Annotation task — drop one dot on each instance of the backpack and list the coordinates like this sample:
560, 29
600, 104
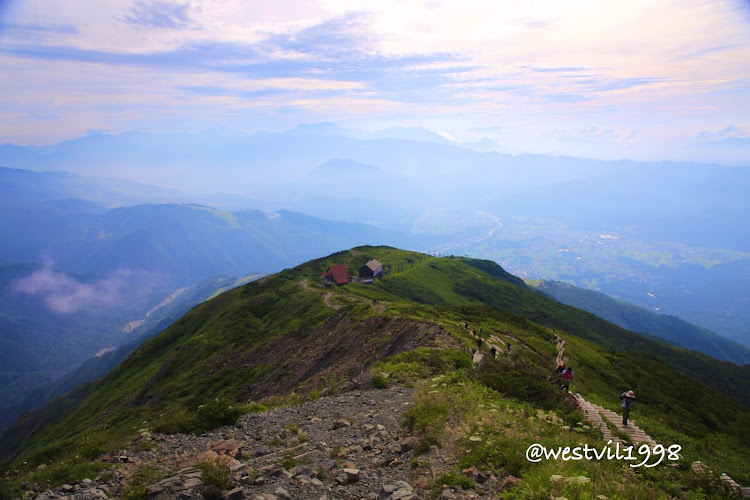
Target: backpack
568, 375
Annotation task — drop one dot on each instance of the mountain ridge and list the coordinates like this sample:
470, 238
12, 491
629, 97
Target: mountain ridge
637, 319
248, 346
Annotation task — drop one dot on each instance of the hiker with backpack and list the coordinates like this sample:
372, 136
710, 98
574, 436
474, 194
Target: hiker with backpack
567, 378
627, 399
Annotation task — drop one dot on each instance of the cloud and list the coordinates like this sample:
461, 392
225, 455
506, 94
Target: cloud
179, 65
731, 131
562, 69
158, 14
64, 294
24, 29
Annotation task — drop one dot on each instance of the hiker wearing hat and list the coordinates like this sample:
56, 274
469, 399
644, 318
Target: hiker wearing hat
627, 403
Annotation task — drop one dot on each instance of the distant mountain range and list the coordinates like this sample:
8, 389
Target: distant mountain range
637, 319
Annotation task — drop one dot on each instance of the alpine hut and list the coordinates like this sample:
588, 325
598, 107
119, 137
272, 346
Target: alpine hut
370, 271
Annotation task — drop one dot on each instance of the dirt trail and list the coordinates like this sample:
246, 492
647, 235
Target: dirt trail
326, 295
560, 344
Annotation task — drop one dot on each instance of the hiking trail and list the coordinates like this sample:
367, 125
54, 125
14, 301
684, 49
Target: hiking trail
327, 298
602, 418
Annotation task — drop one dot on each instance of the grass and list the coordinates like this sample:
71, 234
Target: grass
192, 377
144, 476
491, 432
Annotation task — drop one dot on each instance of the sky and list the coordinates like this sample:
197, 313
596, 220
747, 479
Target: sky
643, 79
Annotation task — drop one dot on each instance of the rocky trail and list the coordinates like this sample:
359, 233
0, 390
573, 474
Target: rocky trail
349, 446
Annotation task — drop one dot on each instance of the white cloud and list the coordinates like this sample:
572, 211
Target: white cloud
667, 68
64, 294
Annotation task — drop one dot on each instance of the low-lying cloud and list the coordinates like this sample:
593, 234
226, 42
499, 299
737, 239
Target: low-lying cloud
64, 294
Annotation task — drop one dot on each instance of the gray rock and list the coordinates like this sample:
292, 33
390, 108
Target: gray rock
387, 490
282, 493
482, 477
447, 495
236, 494
303, 470
342, 478
211, 492
403, 485
408, 444
341, 423
154, 489
352, 475
191, 483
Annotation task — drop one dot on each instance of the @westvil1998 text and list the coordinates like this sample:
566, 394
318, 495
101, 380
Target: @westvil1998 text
537, 452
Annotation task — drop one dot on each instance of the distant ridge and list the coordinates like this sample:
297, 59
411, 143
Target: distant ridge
638, 319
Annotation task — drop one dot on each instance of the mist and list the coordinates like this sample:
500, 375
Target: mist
64, 294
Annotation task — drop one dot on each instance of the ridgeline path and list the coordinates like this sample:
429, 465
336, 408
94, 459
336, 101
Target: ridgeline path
327, 296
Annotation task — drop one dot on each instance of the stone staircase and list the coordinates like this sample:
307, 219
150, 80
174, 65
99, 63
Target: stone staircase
637, 436
745, 492
592, 414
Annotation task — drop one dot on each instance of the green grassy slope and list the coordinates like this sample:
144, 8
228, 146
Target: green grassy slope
638, 319
252, 342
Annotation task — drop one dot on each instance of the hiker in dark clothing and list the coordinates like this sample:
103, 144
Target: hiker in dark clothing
479, 344
480, 329
509, 347
627, 399
567, 379
466, 325
560, 368
474, 332
493, 351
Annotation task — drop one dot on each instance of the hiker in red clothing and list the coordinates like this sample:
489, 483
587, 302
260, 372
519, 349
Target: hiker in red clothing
567, 378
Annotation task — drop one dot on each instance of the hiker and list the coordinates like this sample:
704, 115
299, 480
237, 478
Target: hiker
493, 351
567, 378
627, 403
479, 343
480, 329
466, 325
509, 347
560, 368
474, 332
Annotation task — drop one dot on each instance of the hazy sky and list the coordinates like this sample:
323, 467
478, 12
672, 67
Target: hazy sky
657, 79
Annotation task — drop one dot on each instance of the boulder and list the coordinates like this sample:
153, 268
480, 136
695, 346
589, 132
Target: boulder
407, 444
340, 423
236, 494
509, 482
212, 492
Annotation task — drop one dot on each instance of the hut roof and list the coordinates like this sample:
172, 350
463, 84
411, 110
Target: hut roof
339, 273
374, 265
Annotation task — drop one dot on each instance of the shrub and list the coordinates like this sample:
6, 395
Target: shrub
214, 471
208, 416
379, 381
143, 476
452, 479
